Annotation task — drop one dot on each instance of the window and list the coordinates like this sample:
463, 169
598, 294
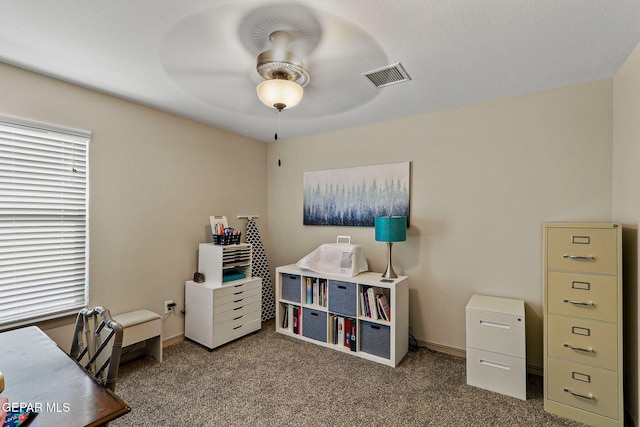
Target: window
43, 221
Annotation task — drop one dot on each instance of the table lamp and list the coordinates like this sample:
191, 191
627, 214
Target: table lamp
391, 229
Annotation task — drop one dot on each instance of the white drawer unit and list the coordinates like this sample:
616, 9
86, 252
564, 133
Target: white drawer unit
216, 313
583, 378
496, 345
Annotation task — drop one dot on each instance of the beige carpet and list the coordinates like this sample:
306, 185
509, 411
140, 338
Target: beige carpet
267, 379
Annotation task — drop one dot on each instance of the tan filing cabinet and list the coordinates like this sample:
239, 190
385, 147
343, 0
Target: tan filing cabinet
583, 322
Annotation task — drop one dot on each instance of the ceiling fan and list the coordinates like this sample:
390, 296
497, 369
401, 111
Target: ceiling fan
283, 72
224, 54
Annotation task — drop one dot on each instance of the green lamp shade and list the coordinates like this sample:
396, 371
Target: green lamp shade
391, 228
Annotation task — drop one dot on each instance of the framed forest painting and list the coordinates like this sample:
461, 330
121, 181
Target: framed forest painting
355, 196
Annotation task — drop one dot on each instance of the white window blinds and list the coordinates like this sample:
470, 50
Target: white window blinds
43, 221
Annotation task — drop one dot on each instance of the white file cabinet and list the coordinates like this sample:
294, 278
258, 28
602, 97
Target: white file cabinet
496, 345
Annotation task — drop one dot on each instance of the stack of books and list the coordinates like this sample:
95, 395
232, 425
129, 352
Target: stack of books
374, 303
316, 291
342, 331
292, 318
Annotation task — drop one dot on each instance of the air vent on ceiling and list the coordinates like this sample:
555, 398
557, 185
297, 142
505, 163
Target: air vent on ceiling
389, 75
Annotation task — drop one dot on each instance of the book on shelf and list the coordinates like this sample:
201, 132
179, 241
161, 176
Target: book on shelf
323, 291
285, 317
353, 344
290, 317
384, 307
340, 339
347, 332
372, 292
294, 321
309, 288
330, 334
316, 292
367, 306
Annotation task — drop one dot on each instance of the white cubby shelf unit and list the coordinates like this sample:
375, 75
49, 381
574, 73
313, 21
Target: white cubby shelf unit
335, 301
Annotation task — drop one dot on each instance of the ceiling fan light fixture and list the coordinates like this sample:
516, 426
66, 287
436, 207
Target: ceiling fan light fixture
279, 93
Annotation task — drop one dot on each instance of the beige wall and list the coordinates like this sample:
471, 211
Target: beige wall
626, 207
154, 180
484, 179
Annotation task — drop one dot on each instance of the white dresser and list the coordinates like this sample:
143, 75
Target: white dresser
583, 322
496, 345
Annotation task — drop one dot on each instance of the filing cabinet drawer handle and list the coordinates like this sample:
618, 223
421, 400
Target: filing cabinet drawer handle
495, 324
495, 364
579, 257
587, 304
584, 396
572, 347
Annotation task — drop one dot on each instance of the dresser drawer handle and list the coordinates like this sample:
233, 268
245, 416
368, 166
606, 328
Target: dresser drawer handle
579, 257
584, 396
238, 293
572, 347
587, 304
238, 300
239, 317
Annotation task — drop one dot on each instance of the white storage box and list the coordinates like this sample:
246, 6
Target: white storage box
496, 345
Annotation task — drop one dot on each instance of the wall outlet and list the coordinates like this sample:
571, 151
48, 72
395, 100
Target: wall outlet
168, 306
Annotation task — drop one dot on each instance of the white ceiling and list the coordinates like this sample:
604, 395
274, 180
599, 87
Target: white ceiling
197, 58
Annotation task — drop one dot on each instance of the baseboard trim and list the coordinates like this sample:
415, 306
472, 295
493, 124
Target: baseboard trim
458, 352
452, 351
172, 340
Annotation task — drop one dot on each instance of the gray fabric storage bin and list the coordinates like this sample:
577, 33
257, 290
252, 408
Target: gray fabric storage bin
343, 297
314, 324
375, 339
290, 287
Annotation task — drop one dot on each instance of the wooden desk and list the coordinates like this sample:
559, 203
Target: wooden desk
39, 373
